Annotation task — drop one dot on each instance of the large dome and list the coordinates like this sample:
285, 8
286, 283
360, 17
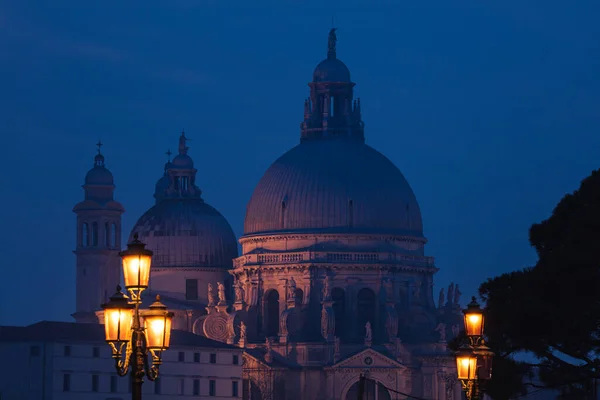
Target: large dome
338, 185
187, 233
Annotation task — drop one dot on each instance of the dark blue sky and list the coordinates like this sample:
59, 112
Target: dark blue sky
490, 108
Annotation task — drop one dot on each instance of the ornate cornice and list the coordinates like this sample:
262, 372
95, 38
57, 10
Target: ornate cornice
279, 236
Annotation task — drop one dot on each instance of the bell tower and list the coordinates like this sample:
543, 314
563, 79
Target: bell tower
98, 242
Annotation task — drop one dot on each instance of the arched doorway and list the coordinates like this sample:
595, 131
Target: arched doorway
366, 308
373, 390
272, 313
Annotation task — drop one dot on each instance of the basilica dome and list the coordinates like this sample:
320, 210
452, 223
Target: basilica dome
182, 229
187, 233
336, 185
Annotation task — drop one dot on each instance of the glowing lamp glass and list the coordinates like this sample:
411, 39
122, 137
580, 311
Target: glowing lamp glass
466, 365
157, 323
136, 270
118, 318
136, 265
117, 324
474, 319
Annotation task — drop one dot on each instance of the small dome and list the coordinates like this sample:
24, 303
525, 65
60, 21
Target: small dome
182, 161
331, 70
187, 233
333, 186
99, 175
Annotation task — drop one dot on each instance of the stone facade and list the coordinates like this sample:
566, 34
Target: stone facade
333, 281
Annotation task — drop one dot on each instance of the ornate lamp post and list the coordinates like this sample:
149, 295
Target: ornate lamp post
133, 334
474, 359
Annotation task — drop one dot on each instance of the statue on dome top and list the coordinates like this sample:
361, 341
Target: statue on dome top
182, 144
331, 44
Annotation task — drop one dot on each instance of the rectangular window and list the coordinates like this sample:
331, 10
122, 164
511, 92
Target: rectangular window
196, 387
191, 289
235, 389
213, 358
212, 387
96, 352
197, 357
95, 383
34, 351
67, 351
66, 382
236, 359
157, 386
181, 356
182, 387
114, 384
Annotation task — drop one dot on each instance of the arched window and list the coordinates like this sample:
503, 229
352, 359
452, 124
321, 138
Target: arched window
339, 309
95, 234
365, 310
107, 234
372, 391
299, 296
85, 235
113, 235
272, 313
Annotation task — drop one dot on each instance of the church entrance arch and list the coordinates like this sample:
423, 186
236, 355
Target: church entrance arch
271, 305
373, 390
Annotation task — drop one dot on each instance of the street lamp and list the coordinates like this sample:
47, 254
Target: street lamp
132, 333
474, 359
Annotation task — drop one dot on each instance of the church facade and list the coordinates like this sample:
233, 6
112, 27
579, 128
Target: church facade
333, 281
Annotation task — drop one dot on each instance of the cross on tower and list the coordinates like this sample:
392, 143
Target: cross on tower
99, 144
168, 153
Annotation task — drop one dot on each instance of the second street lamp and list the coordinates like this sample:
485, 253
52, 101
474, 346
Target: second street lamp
137, 337
474, 359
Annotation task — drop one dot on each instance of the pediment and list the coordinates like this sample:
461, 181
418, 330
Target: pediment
368, 358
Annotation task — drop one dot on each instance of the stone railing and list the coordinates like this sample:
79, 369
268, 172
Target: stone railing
328, 257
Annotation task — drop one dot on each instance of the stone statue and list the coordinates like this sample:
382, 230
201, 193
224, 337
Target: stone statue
455, 330
268, 344
239, 292
182, 144
221, 292
211, 295
326, 289
332, 41
441, 298
457, 294
291, 289
242, 331
369, 332
450, 293
336, 345
441, 329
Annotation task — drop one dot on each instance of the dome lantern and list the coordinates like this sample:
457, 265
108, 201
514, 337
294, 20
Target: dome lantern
331, 112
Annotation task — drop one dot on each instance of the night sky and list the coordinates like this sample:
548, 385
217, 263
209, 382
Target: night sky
490, 108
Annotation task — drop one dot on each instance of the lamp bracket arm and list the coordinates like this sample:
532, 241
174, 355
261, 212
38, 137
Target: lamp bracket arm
122, 361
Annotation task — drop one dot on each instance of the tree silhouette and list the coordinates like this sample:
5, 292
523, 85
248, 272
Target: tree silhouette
551, 310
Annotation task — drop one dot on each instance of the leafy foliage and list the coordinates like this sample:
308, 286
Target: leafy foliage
552, 309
